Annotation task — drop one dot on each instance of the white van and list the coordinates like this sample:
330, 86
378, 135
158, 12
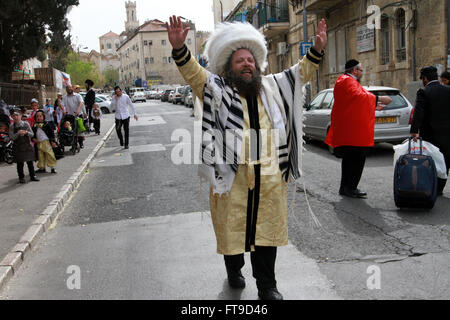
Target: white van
137, 89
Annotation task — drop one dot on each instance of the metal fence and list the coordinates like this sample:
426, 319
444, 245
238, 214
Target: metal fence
20, 94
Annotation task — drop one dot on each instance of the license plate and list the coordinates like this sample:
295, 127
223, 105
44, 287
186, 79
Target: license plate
379, 120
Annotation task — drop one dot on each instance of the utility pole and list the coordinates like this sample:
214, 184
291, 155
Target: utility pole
305, 22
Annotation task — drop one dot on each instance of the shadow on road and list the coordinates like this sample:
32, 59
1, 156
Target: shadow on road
439, 215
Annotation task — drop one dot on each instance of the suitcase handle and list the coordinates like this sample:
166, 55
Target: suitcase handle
421, 145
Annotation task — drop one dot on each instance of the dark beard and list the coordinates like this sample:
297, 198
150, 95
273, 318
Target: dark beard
245, 87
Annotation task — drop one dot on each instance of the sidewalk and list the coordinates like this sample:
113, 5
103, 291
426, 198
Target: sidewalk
26, 211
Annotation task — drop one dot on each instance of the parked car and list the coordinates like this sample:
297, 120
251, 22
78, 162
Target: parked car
391, 124
165, 95
147, 94
138, 96
186, 91
188, 98
171, 96
178, 95
103, 102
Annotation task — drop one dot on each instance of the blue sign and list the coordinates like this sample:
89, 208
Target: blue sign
144, 83
304, 47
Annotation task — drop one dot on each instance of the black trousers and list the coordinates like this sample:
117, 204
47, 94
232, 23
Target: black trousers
263, 265
89, 112
20, 166
126, 127
96, 125
353, 161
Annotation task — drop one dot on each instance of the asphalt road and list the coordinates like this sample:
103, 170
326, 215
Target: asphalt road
367, 248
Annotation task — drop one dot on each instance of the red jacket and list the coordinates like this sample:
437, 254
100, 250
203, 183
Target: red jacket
353, 115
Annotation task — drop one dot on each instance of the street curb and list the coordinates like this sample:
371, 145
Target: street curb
14, 259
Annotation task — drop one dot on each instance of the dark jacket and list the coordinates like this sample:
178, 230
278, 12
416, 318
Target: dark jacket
89, 99
47, 129
432, 115
22, 147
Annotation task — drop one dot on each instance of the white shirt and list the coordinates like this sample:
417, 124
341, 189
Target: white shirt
48, 111
121, 105
71, 103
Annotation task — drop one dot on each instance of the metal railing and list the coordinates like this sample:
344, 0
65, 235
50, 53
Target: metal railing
272, 12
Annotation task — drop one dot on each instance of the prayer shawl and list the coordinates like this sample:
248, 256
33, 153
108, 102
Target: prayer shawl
223, 119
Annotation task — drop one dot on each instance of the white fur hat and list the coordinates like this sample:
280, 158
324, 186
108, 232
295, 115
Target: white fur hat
229, 37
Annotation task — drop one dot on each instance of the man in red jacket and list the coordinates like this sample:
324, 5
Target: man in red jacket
353, 126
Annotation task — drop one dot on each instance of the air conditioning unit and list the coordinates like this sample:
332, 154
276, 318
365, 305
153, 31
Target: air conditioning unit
281, 48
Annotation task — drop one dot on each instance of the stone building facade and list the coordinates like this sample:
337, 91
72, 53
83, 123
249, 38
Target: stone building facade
146, 56
408, 35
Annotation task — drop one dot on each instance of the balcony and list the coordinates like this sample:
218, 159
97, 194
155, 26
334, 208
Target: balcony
272, 17
316, 6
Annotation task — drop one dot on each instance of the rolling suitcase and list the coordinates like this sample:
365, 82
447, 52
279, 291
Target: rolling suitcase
415, 180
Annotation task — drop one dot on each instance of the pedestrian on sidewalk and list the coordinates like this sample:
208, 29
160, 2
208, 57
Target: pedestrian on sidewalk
353, 126
60, 111
248, 190
44, 142
96, 116
34, 109
49, 112
21, 135
73, 105
121, 102
89, 101
431, 117
445, 78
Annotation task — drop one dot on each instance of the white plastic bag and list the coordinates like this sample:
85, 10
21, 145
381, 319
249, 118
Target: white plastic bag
428, 149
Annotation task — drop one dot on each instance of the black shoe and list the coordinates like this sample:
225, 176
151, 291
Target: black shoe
53, 170
235, 279
34, 178
126, 147
356, 193
41, 171
270, 294
121, 143
22, 180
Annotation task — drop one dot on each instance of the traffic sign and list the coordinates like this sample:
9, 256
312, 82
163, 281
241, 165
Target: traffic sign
304, 47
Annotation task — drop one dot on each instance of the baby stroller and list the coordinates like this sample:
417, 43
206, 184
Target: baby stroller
6, 153
66, 137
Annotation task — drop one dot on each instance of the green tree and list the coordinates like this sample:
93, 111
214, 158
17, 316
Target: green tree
80, 70
28, 27
111, 76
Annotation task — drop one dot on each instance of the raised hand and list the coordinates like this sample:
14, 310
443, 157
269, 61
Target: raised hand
321, 37
177, 32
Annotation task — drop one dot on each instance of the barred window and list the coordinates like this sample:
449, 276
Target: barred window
385, 40
401, 34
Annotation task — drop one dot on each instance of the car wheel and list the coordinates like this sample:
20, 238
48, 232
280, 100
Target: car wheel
105, 110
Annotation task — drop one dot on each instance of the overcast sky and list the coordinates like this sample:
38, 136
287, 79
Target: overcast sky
93, 18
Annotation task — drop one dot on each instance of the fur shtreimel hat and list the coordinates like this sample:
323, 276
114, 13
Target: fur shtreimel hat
229, 37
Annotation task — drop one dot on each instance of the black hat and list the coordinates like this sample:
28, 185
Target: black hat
351, 64
430, 72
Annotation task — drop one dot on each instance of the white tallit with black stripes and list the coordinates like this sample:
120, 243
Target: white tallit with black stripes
223, 121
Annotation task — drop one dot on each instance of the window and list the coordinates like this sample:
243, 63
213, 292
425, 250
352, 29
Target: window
145, 42
103, 46
152, 60
401, 34
117, 45
164, 60
385, 39
108, 45
170, 59
163, 42
328, 101
146, 60
337, 51
317, 102
189, 41
150, 42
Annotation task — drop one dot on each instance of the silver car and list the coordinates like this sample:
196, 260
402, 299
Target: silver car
392, 124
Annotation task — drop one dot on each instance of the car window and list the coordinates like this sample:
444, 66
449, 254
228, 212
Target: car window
327, 101
398, 101
316, 103
98, 99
